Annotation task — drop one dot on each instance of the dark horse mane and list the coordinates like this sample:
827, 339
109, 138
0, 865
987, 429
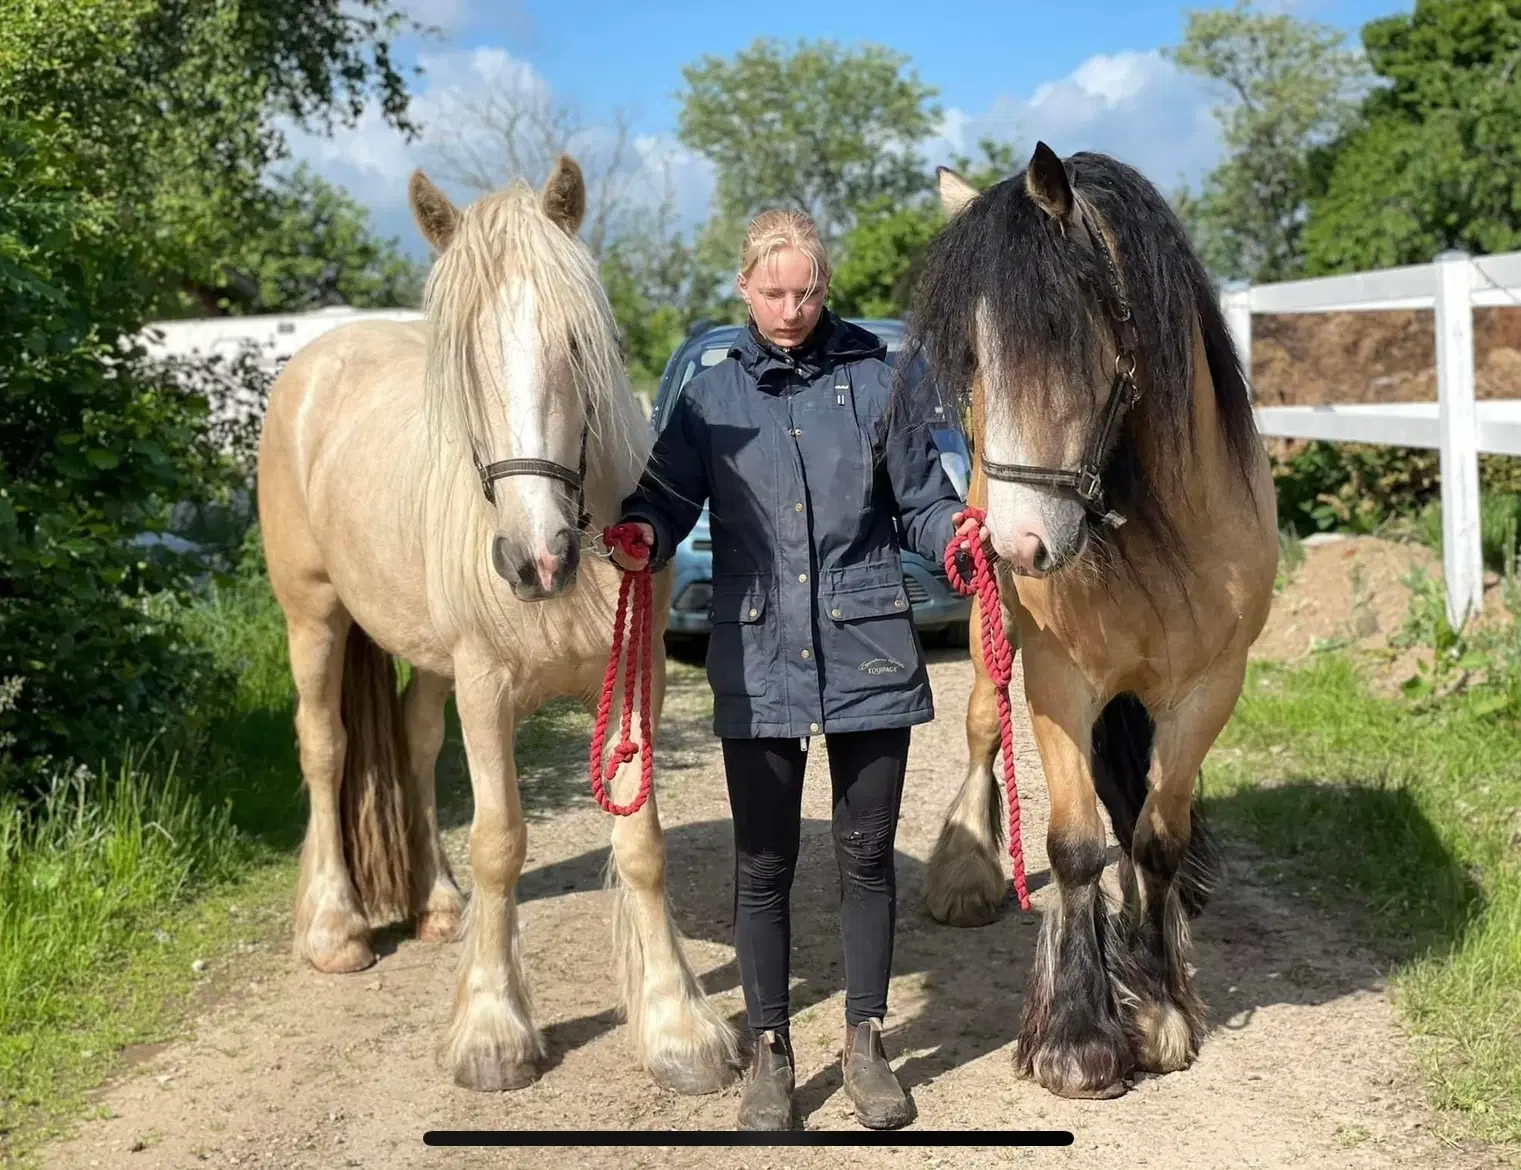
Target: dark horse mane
1047, 300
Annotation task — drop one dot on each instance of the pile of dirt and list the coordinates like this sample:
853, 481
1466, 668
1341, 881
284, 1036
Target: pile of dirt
1305, 359
1352, 591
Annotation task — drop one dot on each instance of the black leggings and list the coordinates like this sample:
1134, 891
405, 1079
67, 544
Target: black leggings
765, 778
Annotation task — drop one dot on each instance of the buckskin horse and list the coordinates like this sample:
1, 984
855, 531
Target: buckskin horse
1131, 512
425, 491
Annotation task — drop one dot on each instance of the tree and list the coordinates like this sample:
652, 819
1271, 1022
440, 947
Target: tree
1291, 87
658, 285
316, 249
134, 140
1436, 160
881, 254
516, 128
174, 110
828, 131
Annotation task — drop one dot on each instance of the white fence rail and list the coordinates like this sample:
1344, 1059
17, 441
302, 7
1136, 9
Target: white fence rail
1455, 425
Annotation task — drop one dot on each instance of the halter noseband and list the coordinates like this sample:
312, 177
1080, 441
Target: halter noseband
1124, 392
544, 468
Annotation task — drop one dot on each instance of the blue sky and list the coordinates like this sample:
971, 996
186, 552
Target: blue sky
1083, 74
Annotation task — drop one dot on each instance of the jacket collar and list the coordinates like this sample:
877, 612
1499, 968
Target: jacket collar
833, 342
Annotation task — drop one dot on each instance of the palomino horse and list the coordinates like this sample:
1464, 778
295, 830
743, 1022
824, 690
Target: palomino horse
425, 491
1131, 508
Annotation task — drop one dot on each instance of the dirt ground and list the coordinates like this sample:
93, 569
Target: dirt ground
1304, 1065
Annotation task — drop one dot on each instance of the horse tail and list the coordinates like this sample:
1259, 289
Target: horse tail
1122, 741
373, 806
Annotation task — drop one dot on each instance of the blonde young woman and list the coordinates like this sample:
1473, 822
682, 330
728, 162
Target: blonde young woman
810, 478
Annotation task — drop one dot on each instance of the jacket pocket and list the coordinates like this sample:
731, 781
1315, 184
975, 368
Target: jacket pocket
872, 642
741, 653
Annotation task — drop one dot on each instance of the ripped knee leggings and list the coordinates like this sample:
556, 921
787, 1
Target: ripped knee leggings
765, 781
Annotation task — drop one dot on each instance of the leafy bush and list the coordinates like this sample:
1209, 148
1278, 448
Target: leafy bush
1366, 489
93, 452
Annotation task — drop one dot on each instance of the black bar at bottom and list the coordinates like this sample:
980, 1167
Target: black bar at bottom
794, 1137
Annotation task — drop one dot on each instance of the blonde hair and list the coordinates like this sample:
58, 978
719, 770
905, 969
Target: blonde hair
780, 228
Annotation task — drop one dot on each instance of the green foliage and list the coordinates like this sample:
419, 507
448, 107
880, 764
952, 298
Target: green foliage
316, 248
135, 137
812, 126
658, 285
1369, 488
880, 258
1291, 86
1355, 487
172, 112
1404, 818
1436, 161
881, 254
91, 456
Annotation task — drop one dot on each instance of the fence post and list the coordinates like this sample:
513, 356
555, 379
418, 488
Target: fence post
1462, 552
1237, 307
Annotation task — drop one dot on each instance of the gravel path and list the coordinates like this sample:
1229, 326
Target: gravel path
1303, 1067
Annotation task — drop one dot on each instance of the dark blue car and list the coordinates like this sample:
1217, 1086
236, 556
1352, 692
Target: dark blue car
937, 608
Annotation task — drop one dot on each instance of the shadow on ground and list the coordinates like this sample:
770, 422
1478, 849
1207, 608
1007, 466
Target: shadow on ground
959, 993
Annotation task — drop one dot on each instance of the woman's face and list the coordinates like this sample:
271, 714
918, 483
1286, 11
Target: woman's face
784, 306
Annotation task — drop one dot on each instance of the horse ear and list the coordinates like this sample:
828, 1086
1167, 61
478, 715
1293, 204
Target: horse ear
955, 192
431, 208
564, 195
1046, 182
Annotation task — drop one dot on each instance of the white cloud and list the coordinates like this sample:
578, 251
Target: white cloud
1135, 106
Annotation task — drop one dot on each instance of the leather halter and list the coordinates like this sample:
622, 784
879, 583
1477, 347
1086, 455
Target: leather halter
544, 468
1124, 392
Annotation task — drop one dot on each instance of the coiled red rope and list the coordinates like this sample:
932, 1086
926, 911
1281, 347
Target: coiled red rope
641, 623
998, 660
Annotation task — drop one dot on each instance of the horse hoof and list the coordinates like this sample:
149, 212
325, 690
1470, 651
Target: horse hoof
438, 926
1081, 1093
694, 1080
490, 1072
341, 957
1096, 1069
966, 910
1166, 1040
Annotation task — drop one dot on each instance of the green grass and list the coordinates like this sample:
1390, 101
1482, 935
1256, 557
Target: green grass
1408, 821
121, 881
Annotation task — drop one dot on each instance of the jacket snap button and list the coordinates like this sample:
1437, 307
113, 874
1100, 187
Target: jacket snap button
813, 727
797, 507
802, 578
754, 613
898, 602
807, 653
835, 612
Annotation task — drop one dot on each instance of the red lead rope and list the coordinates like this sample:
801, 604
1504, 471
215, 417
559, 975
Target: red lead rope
641, 626
998, 659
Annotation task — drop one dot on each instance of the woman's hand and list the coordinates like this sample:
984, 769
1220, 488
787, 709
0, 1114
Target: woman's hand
634, 564
969, 529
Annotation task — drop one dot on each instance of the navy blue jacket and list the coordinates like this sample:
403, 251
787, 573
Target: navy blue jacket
811, 482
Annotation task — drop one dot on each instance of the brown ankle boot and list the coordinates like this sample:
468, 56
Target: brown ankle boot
767, 1101
879, 1100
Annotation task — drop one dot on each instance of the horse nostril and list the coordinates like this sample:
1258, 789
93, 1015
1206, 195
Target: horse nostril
499, 560
1042, 558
